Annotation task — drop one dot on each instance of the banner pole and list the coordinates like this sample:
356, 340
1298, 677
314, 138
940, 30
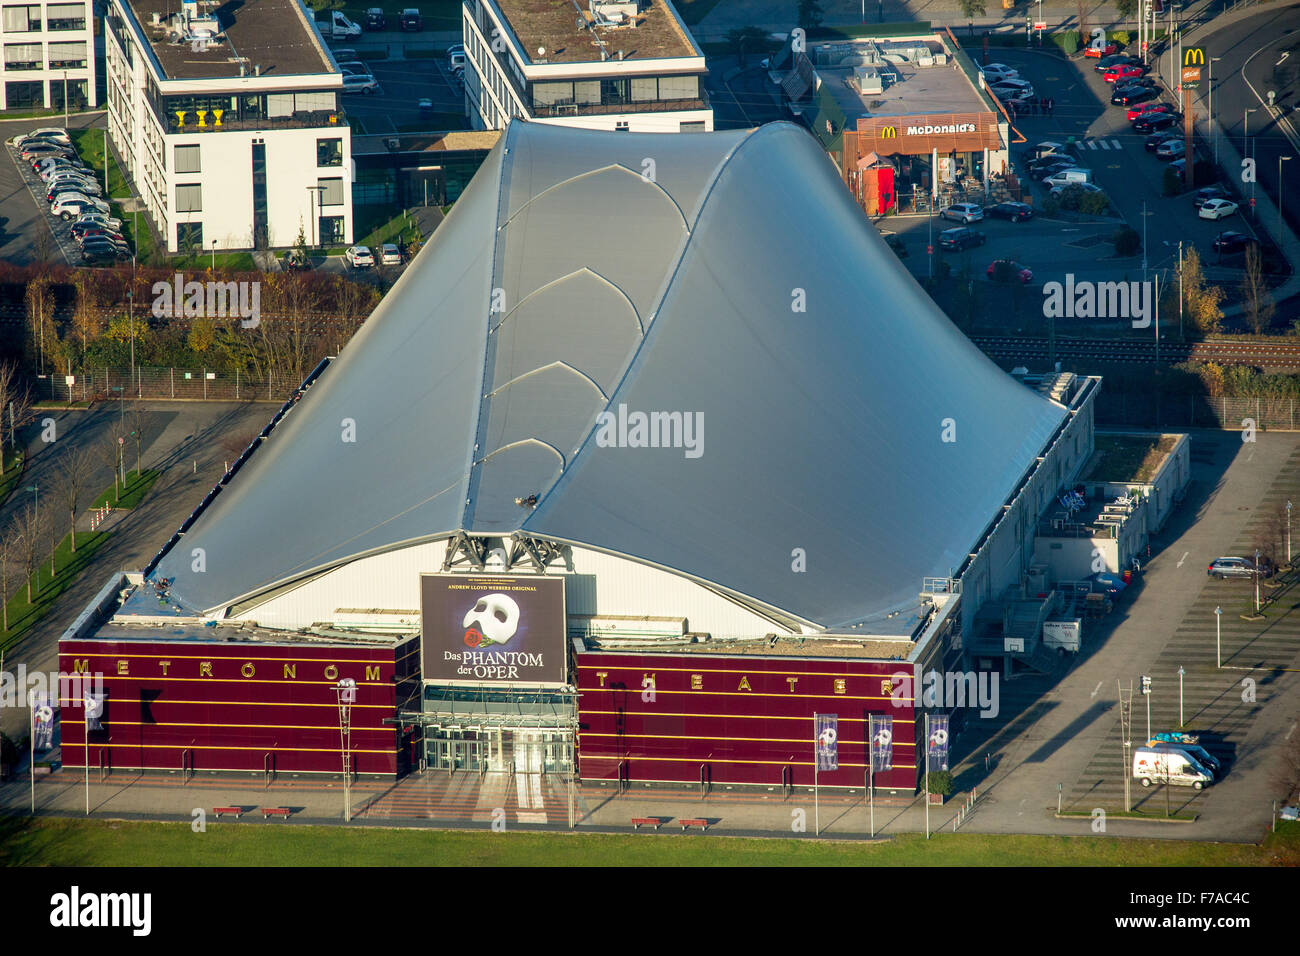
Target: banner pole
871, 772
926, 754
817, 806
31, 756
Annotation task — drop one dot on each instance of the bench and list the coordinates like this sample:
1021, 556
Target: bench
700, 822
639, 822
276, 812
236, 812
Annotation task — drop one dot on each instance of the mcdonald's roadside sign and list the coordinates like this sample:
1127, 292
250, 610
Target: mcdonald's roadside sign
1193, 62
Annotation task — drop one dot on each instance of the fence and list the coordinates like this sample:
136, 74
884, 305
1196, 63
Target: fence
1196, 411
101, 384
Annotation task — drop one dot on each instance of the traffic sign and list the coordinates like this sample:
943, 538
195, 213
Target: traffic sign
1145, 44
1040, 25
929, 250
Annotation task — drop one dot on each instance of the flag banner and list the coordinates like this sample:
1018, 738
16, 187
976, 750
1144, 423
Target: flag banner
937, 746
42, 720
882, 743
94, 704
828, 750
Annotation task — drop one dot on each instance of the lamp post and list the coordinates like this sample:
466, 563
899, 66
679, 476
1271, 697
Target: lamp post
36, 506
1181, 672
1288, 532
214, 255
65, 99
1213, 132
1245, 145
1218, 635
1280, 161
1257, 580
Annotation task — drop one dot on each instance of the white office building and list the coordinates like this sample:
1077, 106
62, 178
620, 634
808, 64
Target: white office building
49, 56
629, 66
229, 122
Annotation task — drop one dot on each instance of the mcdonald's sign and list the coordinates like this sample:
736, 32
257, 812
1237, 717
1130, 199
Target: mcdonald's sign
1193, 60
889, 132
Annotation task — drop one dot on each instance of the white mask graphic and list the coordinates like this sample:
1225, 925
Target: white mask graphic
496, 616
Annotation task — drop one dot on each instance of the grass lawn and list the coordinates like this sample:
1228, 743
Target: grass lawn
22, 615
13, 473
58, 842
236, 261
1129, 457
137, 486
377, 227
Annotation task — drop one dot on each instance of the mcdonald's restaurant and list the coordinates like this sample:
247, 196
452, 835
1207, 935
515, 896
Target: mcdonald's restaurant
925, 155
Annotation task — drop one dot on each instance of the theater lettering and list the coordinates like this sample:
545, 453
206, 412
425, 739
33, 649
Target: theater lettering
313, 671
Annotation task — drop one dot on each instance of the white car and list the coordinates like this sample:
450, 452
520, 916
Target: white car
99, 219
359, 257
360, 84
71, 205
455, 60
49, 171
390, 255
1217, 208
344, 53
1171, 149
995, 72
50, 134
1013, 89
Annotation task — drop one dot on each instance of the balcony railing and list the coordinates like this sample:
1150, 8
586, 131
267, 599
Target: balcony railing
604, 109
209, 123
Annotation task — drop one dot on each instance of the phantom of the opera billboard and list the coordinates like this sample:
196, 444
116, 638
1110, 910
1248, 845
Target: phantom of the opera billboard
492, 629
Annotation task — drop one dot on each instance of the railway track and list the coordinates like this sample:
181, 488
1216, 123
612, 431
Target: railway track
1269, 354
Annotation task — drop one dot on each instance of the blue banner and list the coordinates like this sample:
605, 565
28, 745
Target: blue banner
828, 742
42, 720
937, 746
882, 742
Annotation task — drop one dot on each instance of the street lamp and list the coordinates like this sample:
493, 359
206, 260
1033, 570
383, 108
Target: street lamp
36, 507
214, 255
1213, 132
1181, 672
1257, 580
1245, 145
1218, 634
1288, 532
65, 99
1280, 161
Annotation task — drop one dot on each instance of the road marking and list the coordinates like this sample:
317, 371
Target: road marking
1092, 144
1097, 688
1105, 145
1118, 144
1182, 559
1289, 733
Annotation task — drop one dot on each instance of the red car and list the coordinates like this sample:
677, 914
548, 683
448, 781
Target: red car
1109, 50
1004, 270
1136, 113
1124, 71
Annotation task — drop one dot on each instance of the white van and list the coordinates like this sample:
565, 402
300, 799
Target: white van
1067, 176
1171, 767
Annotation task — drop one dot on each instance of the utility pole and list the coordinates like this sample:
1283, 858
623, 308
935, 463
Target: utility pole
1125, 734
1181, 722
1218, 637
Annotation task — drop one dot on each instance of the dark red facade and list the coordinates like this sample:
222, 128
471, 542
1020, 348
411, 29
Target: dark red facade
745, 720
236, 705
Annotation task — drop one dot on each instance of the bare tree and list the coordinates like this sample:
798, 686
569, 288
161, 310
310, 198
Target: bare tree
29, 523
111, 449
72, 472
136, 416
10, 548
1256, 301
8, 388
40, 308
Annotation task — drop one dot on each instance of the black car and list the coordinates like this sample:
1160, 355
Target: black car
960, 238
102, 252
1210, 192
1140, 94
1049, 164
1131, 86
1152, 142
1154, 123
1015, 211
410, 20
1116, 59
375, 19
1226, 243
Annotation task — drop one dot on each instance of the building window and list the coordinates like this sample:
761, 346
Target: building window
25, 95
66, 16
189, 198
331, 192
189, 235
76, 93
68, 56
621, 126
187, 159
692, 126
22, 19
329, 152
23, 56
331, 230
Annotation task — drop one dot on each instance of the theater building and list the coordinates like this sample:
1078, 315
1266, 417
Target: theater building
645, 527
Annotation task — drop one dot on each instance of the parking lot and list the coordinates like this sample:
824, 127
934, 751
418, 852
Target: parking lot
22, 215
395, 108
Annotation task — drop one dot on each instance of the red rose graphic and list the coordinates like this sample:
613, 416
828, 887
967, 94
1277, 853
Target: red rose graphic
473, 637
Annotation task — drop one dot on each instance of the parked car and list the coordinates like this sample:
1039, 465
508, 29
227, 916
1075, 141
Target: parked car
411, 20
1230, 243
1172, 148
455, 48
73, 187
344, 54
1152, 122
1056, 192
359, 257
103, 254
1043, 149
1217, 208
1159, 766
42, 149
358, 83
1049, 165
1240, 568
1015, 211
96, 218
51, 170
55, 176
1152, 142
456, 61
1206, 193
72, 205
1114, 59
1147, 110
1125, 87
390, 255
53, 134
84, 230
375, 19
1012, 89
966, 212
993, 72
1124, 71
1067, 176
97, 234
1138, 95
118, 247
961, 238
1006, 270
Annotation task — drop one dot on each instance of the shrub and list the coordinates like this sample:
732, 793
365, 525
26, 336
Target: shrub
940, 782
1094, 204
1071, 196
1127, 241
1120, 38
1172, 183
1067, 41
1051, 207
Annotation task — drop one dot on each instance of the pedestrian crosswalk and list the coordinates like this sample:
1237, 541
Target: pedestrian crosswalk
1100, 144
